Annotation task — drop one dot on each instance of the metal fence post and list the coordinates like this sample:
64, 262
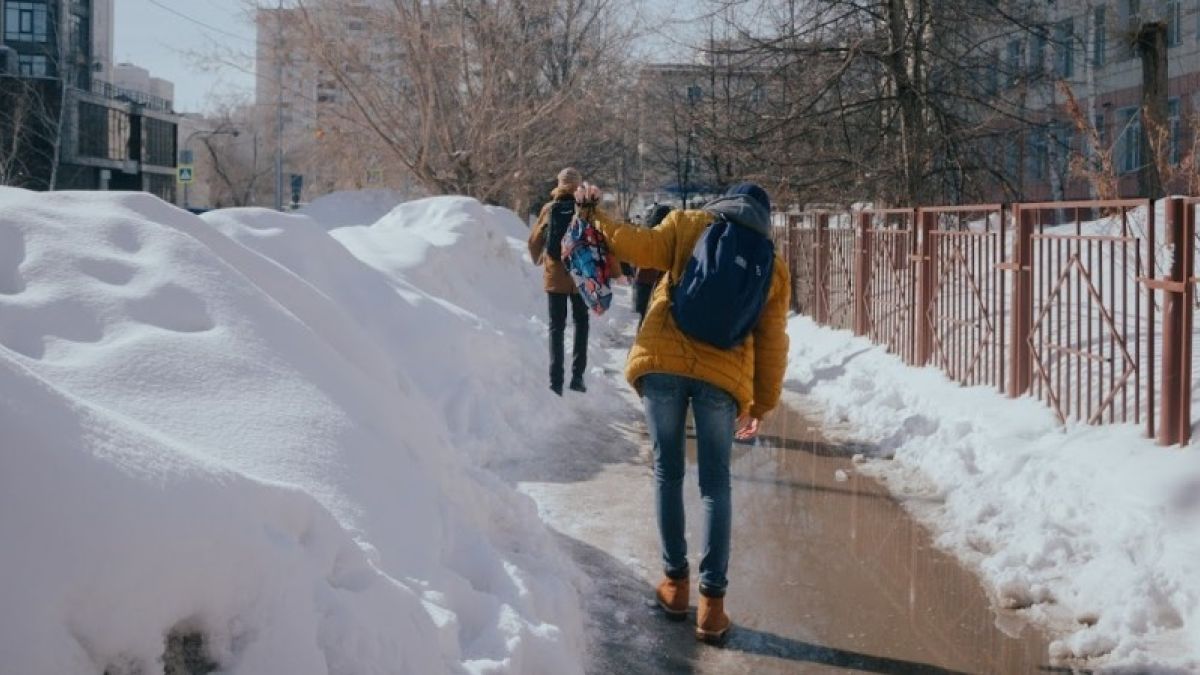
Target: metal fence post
821, 269
793, 242
1188, 252
1176, 330
862, 274
923, 224
1021, 358
793, 264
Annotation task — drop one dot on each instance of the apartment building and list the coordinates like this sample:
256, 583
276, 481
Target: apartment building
303, 97
1088, 47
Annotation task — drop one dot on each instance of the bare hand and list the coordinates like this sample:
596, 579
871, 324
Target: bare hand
747, 428
587, 194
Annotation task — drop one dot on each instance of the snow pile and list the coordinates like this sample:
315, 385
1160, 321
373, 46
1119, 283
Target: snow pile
1092, 530
353, 207
210, 425
472, 262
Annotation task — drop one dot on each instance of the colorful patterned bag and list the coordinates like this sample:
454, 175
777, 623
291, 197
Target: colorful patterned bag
585, 253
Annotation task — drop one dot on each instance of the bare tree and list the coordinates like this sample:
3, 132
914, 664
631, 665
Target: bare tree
30, 118
906, 101
469, 96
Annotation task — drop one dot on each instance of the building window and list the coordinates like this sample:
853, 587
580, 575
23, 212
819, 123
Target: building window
695, 94
1101, 142
159, 142
26, 22
991, 77
1131, 11
1014, 62
1037, 55
1129, 140
1174, 34
1099, 37
79, 35
1035, 154
119, 135
162, 187
104, 133
1012, 160
33, 65
1063, 138
1064, 48
93, 130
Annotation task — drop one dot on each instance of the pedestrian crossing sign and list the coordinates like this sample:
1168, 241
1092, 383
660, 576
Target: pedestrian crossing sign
186, 173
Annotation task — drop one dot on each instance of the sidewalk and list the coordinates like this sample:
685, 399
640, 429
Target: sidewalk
829, 573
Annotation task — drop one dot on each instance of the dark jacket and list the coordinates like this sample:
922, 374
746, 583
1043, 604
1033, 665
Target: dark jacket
654, 216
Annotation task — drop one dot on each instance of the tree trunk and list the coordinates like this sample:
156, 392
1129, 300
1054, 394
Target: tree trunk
1152, 42
900, 58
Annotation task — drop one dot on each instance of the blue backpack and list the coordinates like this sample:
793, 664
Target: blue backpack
725, 285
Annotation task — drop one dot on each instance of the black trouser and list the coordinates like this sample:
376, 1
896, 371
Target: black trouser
641, 300
558, 325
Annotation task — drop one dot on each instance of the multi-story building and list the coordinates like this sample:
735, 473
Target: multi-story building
77, 127
293, 90
1089, 48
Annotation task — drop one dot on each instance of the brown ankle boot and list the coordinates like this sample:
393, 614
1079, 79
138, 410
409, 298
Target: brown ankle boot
672, 596
712, 623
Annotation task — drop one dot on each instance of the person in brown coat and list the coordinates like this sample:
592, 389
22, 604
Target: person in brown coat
545, 249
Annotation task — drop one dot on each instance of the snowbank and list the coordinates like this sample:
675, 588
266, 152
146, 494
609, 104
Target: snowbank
1092, 530
225, 425
471, 262
353, 207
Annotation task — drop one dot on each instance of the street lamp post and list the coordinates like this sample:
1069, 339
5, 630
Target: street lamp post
187, 151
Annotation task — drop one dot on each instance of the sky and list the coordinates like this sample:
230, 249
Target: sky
190, 44
206, 47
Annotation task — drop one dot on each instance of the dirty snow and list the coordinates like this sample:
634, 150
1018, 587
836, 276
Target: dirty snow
244, 426
1091, 530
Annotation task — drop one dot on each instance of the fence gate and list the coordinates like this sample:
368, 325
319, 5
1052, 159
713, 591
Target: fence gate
802, 254
889, 278
964, 302
1083, 319
837, 245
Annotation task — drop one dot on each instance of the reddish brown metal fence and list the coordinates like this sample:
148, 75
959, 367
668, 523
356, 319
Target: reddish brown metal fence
887, 243
1091, 339
966, 303
1067, 301
837, 243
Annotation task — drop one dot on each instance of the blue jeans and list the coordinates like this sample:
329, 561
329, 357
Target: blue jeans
666, 399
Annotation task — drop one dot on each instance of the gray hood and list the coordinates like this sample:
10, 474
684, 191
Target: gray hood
743, 210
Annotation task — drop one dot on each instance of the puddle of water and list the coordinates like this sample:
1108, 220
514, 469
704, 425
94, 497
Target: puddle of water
826, 575
876, 584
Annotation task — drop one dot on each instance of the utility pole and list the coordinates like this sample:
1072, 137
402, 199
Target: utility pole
279, 106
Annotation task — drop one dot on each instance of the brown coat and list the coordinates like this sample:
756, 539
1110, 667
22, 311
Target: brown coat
557, 278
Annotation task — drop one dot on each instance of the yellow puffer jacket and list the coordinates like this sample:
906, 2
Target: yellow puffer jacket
751, 372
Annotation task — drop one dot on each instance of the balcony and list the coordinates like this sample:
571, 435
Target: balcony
107, 90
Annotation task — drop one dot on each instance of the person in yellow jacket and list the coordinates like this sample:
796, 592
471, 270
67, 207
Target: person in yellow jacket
729, 391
